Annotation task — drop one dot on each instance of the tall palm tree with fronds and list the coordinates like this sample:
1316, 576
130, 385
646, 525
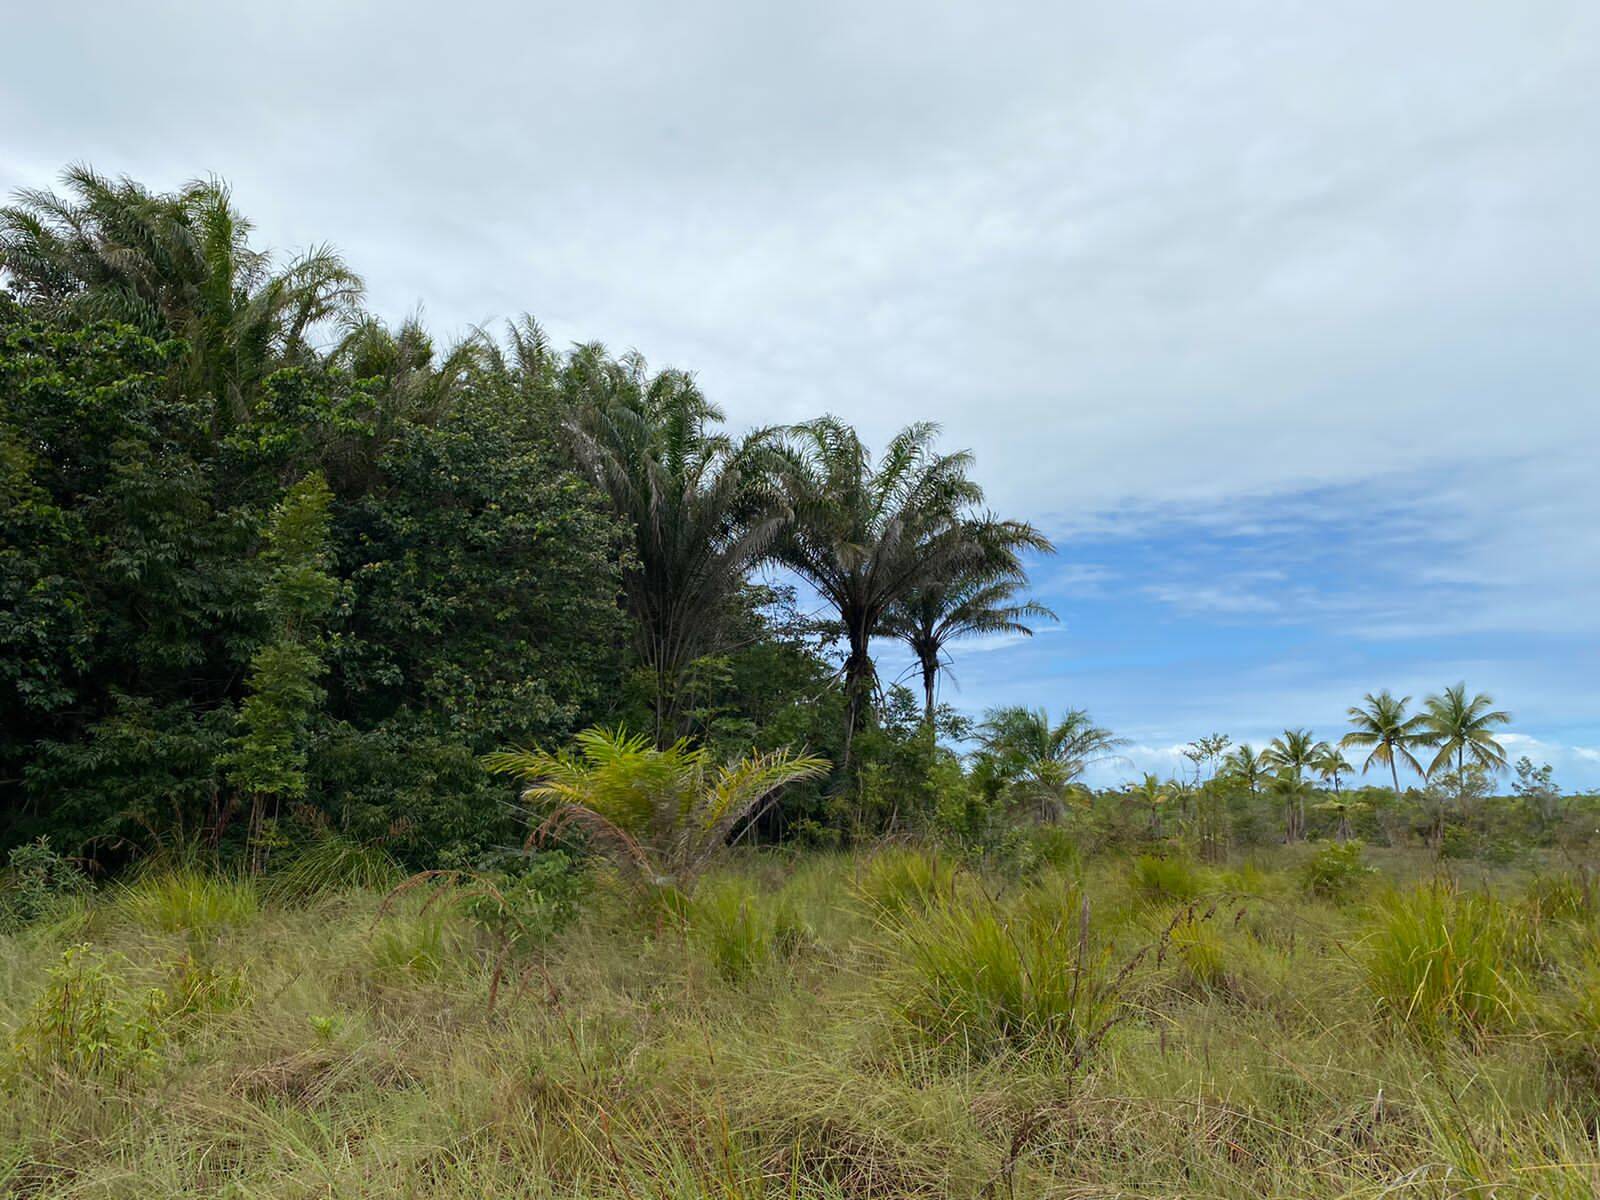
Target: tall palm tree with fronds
978, 597
1152, 794
175, 265
1246, 766
867, 533
698, 504
1332, 767
1461, 729
1382, 726
1040, 760
1294, 753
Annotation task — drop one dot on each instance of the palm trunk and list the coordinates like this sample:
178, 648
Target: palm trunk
930, 676
1394, 772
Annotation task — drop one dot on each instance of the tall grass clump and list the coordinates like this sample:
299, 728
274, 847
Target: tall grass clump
189, 899
900, 880
333, 863
971, 975
1442, 963
742, 930
1166, 877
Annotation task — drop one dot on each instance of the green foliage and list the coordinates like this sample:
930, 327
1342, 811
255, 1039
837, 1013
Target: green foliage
268, 760
1335, 871
742, 930
332, 863
89, 1022
901, 880
971, 976
663, 814
190, 900
1166, 877
419, 945
1441, 962
35, 883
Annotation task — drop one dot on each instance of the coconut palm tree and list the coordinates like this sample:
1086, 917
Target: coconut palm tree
1460, 728
1295, 752
1383, 727
1246, 766
1040, 761
1332, 766
1153, 794
177, 265
978, 597
699, 506
868, 533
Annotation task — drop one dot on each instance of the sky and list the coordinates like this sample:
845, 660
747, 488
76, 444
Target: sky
1280, 318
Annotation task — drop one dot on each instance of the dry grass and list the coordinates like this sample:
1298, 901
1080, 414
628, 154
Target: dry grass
788, 1040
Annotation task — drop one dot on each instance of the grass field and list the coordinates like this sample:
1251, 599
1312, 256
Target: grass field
885, 1024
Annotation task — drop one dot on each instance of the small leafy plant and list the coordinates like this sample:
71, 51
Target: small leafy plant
1335, 871
88, 1022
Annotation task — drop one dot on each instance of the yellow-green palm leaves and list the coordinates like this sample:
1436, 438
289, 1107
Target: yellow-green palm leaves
1461, 729
1381, 725
664, 814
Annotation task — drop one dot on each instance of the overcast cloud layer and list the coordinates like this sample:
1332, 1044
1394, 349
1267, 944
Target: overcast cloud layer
1281, 316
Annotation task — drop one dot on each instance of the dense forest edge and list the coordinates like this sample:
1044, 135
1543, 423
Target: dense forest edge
464, 770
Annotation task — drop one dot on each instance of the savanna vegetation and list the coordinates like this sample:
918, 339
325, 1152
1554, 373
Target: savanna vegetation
420, 775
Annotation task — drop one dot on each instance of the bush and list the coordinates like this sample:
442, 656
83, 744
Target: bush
968, 974
36, 882
88, 1022
1441, 963
899, 880
1335, 871
1166, 877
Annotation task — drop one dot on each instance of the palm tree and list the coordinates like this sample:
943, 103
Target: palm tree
697, 503
978, 597
1460, 728
1153, 794
176, 265
1383, 726
1248, 767
1332, 767
1295, 752
663, 813
867, 534
1038, 761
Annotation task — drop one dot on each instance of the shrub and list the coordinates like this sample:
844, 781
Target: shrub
1440, 962
899, 880
36, 881
969, 974
1166, 877
88, 1022
1335, 871
188, 899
